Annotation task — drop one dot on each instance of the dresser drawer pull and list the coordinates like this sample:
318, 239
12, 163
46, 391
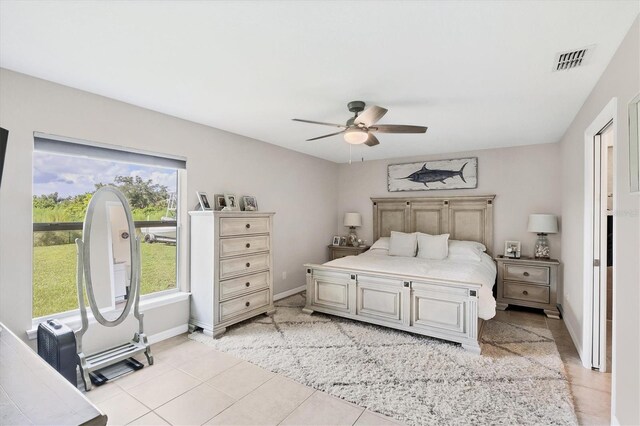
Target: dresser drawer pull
248, 245
248, 225
525, 292
247, 264
247, 284
247, 304
526, 274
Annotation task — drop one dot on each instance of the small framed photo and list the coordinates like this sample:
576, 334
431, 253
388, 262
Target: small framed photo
512, 249
249, 203
336, 240
343, 241
221, 203
231, 202
203, 200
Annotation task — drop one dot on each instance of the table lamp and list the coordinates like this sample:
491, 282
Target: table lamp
542, 224
352, 220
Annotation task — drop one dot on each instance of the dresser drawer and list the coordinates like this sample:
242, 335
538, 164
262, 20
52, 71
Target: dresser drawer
242, 304
243, 245
238, 286
526, 292
243, 265
243, 226
526, 273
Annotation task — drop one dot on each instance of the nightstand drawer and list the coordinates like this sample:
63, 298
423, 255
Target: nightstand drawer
529, 293
527, 273
337, 253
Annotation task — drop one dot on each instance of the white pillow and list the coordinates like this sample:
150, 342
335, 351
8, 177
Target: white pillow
433, 247
382, 243
466, 249
402, 244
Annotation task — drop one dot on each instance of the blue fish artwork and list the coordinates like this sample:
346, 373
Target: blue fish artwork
429, 175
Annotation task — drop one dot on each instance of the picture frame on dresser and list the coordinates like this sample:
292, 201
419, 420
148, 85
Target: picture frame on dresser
249, 203
231, 201
336, 240
220, 201
203, 199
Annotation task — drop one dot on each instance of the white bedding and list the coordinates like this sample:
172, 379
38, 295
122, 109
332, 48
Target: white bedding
460, 269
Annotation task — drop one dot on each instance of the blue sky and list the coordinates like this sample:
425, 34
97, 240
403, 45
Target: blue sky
68, 175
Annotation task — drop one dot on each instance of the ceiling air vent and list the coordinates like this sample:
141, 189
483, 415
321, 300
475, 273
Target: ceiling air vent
572, 59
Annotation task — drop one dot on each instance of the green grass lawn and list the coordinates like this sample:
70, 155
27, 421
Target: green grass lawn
54, 275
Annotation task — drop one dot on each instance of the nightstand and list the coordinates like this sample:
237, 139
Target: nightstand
336, 252
528, 282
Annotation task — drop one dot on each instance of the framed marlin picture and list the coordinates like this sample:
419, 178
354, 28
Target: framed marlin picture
458, 173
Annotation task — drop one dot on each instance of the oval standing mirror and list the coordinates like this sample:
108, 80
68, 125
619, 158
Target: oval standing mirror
110, 256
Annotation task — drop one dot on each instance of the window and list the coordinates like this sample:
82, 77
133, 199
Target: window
66, 173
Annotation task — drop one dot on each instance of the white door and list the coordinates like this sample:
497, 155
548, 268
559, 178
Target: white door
599, 281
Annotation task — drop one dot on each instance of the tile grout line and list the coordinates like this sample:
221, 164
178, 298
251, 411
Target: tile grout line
298, 406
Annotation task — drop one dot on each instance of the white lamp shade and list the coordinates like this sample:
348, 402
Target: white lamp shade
352, 219
543, 223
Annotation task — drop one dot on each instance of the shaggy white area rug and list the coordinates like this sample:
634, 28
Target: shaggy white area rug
518, 379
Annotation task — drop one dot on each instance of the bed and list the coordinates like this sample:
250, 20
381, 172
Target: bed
447, 299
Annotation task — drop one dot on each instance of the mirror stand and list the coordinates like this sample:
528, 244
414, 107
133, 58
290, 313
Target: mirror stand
139, 343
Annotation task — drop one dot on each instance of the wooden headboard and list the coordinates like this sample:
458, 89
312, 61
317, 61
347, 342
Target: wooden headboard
464, 218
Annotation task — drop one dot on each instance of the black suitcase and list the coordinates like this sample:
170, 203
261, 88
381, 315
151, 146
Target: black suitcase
57, 346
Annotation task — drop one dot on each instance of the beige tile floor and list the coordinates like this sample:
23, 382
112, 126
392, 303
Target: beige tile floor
193, 384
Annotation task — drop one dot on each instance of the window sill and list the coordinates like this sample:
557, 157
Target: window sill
74, 321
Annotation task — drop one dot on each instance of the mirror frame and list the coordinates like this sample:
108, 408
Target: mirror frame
86, 237
634, 145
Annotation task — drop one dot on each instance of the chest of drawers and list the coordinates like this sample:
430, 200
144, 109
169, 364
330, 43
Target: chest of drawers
528, 282
231, 268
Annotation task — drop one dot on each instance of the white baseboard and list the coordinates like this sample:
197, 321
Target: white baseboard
166, 334
289, 292
572, 332
614, 420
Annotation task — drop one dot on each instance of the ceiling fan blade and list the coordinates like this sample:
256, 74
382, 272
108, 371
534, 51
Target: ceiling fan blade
372, 140
326, 136
319, 122
371, 115
398, 128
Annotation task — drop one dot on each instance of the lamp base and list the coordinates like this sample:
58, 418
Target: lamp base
352, 238
541, 249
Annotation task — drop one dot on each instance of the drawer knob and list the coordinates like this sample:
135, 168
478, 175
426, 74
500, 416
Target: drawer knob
248, 264
247, 284
247, 304
248, 225
526, 274
248, 245
525, 292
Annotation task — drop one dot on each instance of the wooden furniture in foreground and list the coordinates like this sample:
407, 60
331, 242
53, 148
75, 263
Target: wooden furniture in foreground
34, 393
528, 282
444, 309
231, 268
336, 252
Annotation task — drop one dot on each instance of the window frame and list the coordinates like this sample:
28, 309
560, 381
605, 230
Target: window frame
176, 293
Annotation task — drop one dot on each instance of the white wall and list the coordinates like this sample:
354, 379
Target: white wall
299, 188
525, 180
621, 80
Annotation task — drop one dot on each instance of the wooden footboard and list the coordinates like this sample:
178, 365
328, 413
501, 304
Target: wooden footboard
443, 309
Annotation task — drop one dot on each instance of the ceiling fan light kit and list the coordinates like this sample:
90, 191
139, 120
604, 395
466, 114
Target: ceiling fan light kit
359, 129
356, 136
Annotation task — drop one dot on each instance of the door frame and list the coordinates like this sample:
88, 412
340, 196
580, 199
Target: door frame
607, 117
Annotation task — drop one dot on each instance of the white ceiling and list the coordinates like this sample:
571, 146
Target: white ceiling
477, 73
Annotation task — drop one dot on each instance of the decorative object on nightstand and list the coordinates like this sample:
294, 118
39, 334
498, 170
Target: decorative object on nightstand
336, 252
528, 282
512, 249
542, 224
352, 220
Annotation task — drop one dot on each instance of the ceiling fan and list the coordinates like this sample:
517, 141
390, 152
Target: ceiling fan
360, 128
